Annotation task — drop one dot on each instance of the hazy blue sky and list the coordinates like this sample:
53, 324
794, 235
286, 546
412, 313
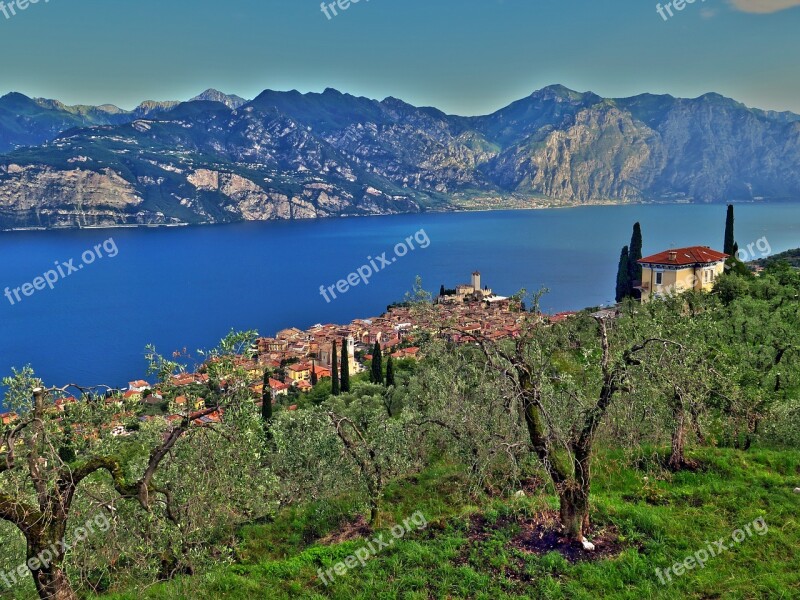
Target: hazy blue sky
463, 56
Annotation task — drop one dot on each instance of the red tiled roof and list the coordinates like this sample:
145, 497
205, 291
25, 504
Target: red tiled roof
685, 256
278, 385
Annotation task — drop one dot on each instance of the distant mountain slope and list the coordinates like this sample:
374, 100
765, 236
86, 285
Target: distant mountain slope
34, 121
229, 100
286, 155
28, 122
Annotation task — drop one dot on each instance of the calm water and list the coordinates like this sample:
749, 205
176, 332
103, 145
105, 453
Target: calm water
187, 287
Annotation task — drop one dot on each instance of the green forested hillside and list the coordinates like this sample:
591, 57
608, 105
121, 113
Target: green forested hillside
597, 456
790, 256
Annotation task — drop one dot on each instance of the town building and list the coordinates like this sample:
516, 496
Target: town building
680, 269
138, 386
326, 352
299, 372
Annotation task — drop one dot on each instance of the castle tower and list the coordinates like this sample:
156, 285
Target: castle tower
476, 281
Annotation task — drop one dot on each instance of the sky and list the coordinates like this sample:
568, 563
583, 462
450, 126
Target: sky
463, 56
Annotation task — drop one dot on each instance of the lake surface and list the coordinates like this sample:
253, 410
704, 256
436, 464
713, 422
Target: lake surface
187, 287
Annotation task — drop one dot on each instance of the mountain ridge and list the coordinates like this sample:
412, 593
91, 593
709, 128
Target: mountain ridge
283, 155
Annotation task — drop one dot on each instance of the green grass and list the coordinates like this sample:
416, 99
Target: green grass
662, 520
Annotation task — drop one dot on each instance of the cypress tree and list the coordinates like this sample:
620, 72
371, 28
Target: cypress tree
730, 240
334, 370
345, 368
314, 378
376, 376
266, 399
441, 290
390, 372
634, 255
623, 283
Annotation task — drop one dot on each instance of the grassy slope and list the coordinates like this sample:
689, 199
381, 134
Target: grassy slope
662, 522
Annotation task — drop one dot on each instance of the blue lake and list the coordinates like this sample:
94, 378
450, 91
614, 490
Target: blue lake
187, 287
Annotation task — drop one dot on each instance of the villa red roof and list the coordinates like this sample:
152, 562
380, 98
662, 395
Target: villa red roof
685, 256
278, 385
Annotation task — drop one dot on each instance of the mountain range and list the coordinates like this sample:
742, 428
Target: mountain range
287, 155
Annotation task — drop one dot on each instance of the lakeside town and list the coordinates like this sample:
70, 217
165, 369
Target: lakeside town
294, 361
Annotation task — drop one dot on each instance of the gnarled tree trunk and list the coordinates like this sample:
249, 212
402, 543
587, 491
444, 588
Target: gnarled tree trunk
574, 511
52, 584
45, 557
677, 459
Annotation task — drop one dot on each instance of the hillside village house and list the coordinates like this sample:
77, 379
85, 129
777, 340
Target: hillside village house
680, 269
299, 372
138, 386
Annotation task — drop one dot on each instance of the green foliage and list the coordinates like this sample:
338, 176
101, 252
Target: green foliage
734, 266
335, 385
623, 276
731, 287
390, 380
266, 400
634, 256
376, 368
629, 271
730, 237
19, 390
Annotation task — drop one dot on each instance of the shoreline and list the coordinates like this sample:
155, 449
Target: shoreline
508, 206
118, 226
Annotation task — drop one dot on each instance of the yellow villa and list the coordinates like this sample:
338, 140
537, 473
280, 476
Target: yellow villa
299, 372
675, 271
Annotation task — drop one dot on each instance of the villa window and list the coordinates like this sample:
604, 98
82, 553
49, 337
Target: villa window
659, 278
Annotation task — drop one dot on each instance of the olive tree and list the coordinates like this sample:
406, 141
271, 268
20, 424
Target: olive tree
560, 380
378, 447
50, 458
